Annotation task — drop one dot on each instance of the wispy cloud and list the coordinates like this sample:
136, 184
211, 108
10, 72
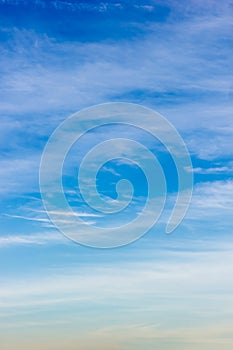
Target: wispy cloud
35, 239
172, 65
59, 216
137, 285
228, 169
77, 6
115, 70
164, 291
177, 69
214, 195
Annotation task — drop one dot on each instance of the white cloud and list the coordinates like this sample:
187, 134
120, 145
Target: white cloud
19, 175
35, 239
187, 271
213, 170
169, 59
170, 66
214, 195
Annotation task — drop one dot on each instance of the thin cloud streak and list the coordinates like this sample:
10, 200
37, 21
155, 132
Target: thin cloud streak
35, 239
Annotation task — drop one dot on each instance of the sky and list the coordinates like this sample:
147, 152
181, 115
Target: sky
161, 291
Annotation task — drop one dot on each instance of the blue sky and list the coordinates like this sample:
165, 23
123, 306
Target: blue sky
162, 291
